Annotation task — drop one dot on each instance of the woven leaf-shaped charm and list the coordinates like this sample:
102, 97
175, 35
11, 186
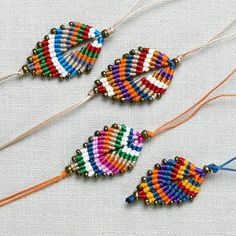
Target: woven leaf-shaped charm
49, 58
173, 182
110, 152
119, 82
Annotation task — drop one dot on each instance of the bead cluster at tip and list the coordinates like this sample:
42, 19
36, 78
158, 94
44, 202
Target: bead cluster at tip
118, 81
49, 59
111, 151
173, 182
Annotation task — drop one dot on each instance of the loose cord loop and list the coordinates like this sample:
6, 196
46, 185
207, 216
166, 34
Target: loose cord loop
132, 12
193, 110
215, 168
48, 121
36, 188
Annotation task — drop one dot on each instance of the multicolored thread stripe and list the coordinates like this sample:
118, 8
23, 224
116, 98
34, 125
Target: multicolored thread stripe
119, 82
49, 58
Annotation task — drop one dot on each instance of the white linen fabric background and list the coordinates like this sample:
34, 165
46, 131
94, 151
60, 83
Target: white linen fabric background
87, 207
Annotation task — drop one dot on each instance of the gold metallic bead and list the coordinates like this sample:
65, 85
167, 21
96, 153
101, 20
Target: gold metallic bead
71, 23
140, 49
132, 52
164, 161
88, 68
117, 61
122, 100
144, 179
33, 72
73, 159
121, 172
79, 73
130, 167
146, 202
156, 203
159, 95
126, 56
144, 134
109, 67
115, 126
142, 100
34, 51
97, 82
171, 203
150, 99
90, 139
191, 198
86, 175
114, 98
149, 172
96, 175
46, 37
62, 27
53, 31
85, 145
78, 152
180, 202
105, 94
105, 33
157, 166
132, 100
30, 59
206, 169
111, 175
95, 90
69, 169
136, 195
68, 76
139, 188
104, 73
25, 69
39, 44
104, 174
77, 172
177, 159
176, 61
105, 128
97, 133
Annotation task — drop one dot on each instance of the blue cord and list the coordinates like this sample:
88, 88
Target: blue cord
216, 168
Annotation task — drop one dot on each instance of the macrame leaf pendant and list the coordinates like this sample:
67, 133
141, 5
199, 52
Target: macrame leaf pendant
174, 182
50, 59
109, 152
119, 82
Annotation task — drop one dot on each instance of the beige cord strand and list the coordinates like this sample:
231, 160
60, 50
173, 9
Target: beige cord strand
47, 122
132, 12
214, 39
11, 76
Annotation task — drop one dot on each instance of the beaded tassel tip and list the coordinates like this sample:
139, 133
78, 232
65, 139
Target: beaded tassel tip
173, 182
